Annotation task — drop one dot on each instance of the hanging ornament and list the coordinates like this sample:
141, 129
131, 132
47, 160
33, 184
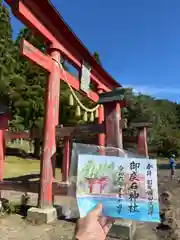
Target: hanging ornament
85, 117
92, 117
97, 113
71, 100
78, 111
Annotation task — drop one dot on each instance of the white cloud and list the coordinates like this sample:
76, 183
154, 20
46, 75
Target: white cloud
154, 91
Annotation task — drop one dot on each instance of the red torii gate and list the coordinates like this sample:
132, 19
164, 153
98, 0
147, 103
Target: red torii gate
43, 19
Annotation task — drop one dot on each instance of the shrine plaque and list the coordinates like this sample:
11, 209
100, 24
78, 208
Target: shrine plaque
85, 77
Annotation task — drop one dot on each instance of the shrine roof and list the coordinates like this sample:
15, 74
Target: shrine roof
117, 94
54, 16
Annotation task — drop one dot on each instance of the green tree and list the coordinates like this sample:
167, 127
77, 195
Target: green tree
97, 57
7, 61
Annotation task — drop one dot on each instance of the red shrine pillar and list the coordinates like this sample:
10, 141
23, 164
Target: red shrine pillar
118, 113
49, 138
2, 156
145, 142
112, 124
101, 136
113, 102
66, 159
142, 142
2, 145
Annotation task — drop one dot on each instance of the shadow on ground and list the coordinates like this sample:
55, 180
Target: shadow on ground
17, 152
166, 166
24, 178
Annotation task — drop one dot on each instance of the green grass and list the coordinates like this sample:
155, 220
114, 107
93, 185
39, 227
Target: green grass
16, 166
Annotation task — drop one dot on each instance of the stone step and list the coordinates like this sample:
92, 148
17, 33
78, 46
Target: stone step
122, 229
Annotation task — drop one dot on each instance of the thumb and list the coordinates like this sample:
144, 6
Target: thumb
96, 212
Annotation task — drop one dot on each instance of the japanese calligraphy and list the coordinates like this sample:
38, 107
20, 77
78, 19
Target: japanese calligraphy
133, 207
149, 189
133, 176
133, 190
134, 166
119, 207
149, 166
120, 181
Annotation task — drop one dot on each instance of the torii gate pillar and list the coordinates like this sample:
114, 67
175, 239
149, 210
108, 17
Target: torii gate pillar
46, 212
50, 122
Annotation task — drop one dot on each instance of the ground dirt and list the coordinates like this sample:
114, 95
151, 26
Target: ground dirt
15, 227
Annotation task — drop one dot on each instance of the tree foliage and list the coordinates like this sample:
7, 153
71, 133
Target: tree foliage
22, 86
97, 58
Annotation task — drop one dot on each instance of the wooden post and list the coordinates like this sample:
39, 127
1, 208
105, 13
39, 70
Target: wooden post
2, 145
142, 142
145, 143
49, 140
101, 136
112, 101
112, 125
118, 115
66, 159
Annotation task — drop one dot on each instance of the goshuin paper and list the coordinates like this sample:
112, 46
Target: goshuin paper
127, 187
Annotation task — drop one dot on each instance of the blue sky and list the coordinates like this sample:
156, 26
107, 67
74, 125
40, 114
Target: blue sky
138, 40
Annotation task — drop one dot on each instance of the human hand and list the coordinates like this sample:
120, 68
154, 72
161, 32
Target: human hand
93, 226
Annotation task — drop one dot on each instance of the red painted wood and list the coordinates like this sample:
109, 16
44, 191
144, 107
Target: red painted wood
118, 116
66, 159
101, 77
33, 54
112, 125
142, 142
145, 142
2, 143
4, 121
80, 130
50, 123
9, 1
75, 83
101, 136
45, 61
